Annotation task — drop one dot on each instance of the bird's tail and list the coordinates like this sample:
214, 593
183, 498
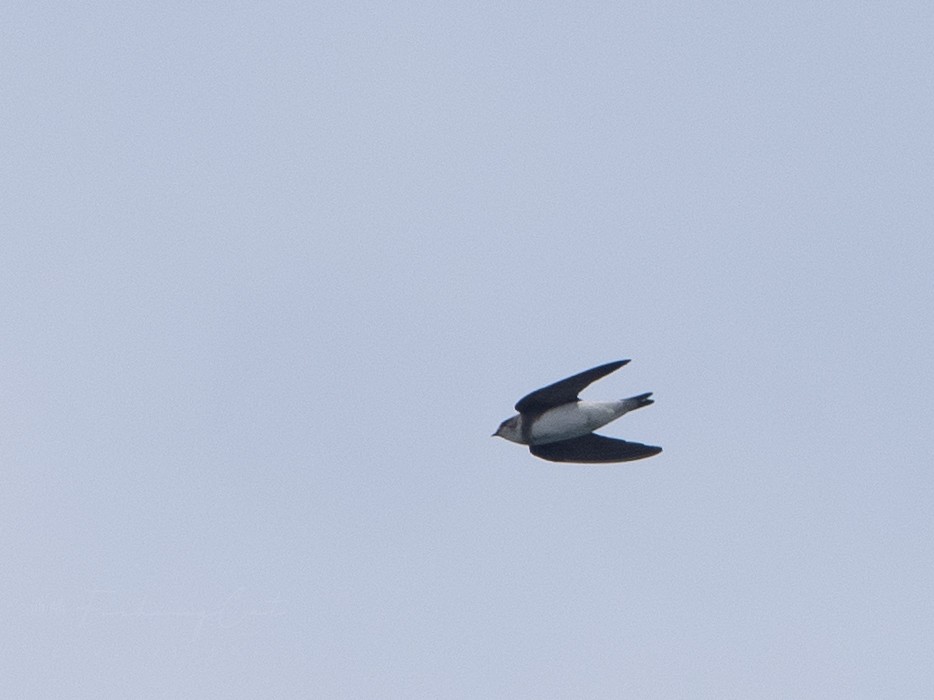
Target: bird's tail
634, 402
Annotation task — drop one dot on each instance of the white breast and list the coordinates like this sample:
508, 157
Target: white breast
572, 420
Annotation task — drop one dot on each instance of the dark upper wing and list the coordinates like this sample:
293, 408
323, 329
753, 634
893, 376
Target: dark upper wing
593, 449
566, 390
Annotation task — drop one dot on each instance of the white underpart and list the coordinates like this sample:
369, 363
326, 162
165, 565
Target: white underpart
572, 420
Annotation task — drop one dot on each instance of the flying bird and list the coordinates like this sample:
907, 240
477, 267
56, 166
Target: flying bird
558, 426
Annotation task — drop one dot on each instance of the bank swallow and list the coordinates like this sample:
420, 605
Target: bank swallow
558, 426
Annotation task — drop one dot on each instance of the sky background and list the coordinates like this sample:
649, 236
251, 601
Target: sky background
273, 272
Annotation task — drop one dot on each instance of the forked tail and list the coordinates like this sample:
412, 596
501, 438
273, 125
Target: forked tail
634, 402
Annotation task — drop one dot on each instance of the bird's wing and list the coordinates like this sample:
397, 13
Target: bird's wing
593, 449
566, 390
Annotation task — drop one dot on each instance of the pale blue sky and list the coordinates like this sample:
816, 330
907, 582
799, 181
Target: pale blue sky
273, 272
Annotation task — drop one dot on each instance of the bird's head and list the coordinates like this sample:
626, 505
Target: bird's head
510, 429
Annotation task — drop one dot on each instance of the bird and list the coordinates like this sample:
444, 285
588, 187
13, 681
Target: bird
557, 426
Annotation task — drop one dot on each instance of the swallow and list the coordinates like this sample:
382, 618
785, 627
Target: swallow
558, 426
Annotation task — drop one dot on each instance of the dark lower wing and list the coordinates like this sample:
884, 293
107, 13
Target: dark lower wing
593, 449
